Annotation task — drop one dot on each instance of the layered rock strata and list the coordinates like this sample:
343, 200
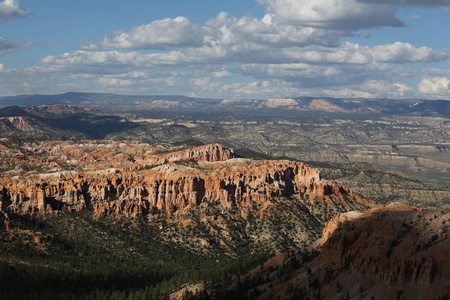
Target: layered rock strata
187, 177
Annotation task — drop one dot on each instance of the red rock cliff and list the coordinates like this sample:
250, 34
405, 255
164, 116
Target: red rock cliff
203, 173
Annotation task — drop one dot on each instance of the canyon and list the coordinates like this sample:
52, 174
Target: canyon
303, 192
389, 141
132, 178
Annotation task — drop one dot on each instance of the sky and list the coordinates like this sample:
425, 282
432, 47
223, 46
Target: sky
227, 49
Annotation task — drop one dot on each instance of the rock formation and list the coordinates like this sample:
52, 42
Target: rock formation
212, 152
138, 184
19, 123
391, 252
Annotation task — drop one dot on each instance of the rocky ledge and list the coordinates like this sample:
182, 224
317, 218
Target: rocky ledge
144, 181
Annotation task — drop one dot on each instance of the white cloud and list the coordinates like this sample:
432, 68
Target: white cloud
288, 80
224, 29
383, 88
221, 74
336, 14
372, 89
160, 34
407, 53
11, 9
306, 67
229, 31
347, 53
435, 86
297, 48
258, 89
315, 75
226, 39
105, 81
347, 93
142, 83
199, 82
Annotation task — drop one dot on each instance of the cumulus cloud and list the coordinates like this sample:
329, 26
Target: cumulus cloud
383, 88
407, 53
10, 9
160, 34
224, 29
336, 14
297, 48
305, 67
435, 86
221, 74
229, 30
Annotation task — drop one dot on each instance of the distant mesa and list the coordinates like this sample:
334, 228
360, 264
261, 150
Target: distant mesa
324, 105
277, 102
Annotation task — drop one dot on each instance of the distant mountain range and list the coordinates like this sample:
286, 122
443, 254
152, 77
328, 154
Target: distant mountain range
301, 104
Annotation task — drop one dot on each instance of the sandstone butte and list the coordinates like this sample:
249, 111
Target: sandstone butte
392, 252
137, 180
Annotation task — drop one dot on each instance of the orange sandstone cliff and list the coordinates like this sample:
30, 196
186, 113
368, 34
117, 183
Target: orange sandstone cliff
135, 181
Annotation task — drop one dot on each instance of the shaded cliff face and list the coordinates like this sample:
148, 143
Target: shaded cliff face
392, 252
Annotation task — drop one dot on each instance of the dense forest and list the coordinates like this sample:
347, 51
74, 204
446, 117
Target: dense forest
78, 256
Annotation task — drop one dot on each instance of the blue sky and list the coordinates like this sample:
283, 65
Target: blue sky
227, 49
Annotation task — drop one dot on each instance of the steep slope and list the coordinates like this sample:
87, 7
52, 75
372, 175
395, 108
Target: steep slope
92, 219
273, 204
392, 252
173, 186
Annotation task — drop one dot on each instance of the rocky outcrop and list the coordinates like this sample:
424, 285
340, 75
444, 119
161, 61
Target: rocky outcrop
212, 152
391, 252
185, 178
26, 124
